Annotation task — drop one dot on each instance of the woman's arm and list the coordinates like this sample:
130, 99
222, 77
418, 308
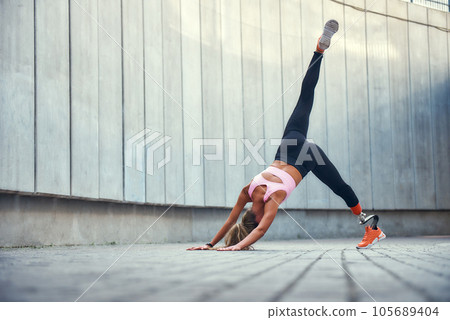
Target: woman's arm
243, 199
270, 211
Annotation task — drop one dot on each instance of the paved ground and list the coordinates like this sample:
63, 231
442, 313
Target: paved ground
399, 269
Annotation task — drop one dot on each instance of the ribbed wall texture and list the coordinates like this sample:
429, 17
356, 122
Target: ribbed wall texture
81, 80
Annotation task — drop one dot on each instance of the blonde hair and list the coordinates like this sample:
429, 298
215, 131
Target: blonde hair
240, 230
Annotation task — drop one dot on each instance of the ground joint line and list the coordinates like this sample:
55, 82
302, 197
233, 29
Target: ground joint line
326, 252
139, 237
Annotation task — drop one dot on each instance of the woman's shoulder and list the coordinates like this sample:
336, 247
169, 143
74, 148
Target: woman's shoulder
246, 188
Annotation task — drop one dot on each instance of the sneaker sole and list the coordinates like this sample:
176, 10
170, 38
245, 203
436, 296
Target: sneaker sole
331, 27
382, 237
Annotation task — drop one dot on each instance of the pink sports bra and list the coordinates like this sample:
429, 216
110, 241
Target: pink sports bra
288, 183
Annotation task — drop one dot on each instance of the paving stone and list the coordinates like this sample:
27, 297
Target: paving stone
398, 269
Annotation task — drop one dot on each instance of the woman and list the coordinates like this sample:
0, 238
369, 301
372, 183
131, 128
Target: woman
271, 187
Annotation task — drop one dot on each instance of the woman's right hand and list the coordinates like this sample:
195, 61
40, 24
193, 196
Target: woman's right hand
205, 247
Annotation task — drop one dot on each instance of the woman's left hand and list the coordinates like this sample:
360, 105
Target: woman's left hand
231, 248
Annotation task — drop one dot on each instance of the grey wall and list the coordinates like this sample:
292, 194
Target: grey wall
71, 98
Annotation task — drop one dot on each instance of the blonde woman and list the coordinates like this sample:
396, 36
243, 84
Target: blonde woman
271, 187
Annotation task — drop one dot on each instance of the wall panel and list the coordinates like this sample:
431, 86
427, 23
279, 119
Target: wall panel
447, 191
440, 87
421, 111
252, 84
84, 99
358, 109
271, 76
335, 119
232, 100
52, 97
110, 100
403, 172
379, 109
311, 27
293, 71
154, 96
211, 55
17, 95
192, 98
133, 100
173, 113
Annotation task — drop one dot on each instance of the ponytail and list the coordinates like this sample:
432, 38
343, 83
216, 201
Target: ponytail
239, 231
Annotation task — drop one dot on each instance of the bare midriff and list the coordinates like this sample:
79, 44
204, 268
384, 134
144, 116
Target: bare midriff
293, 172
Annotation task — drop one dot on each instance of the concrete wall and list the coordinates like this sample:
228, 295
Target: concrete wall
71, 98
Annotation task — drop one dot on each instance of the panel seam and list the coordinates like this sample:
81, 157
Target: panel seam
145, 103
181, 98
70, 97
123, 102
202, 162
35, 98
223, 111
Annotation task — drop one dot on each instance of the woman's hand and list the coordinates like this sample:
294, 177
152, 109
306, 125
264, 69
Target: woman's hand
205, 247
230, 248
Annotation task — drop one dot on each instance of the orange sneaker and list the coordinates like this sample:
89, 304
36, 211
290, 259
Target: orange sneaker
371, 237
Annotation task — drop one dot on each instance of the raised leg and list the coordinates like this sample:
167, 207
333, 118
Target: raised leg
299, 120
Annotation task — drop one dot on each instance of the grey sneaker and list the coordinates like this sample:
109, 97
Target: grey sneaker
331, 27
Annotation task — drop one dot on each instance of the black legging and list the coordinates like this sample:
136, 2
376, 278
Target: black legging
296, 131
